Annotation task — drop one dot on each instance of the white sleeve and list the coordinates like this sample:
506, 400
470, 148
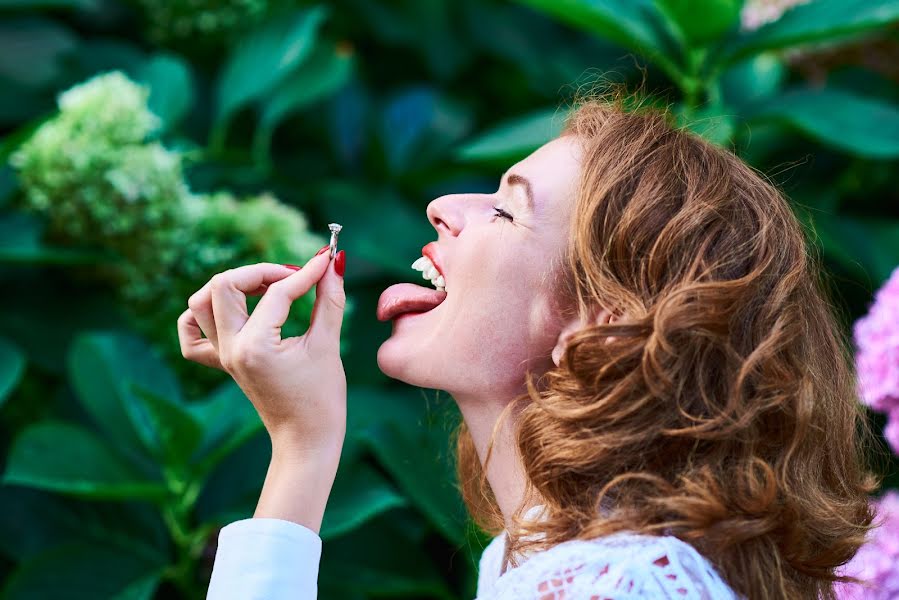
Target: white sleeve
265, 559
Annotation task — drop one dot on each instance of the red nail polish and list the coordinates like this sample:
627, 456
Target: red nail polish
294, 267
325, 247
340, 262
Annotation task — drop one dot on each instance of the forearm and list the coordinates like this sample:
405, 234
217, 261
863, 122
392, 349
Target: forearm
298, 482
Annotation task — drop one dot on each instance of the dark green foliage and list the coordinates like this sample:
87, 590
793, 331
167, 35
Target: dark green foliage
146, 146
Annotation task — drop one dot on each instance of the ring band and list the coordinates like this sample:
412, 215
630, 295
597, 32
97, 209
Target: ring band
335, 231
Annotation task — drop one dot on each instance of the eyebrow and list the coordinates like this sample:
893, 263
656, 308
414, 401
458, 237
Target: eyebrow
513, 178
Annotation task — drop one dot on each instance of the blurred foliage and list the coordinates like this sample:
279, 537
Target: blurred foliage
101, 183
148, 145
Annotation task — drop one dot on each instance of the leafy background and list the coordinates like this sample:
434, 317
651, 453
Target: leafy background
202, 134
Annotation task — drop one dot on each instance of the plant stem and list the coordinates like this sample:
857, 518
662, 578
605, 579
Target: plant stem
262, 141
176, 514
218, 137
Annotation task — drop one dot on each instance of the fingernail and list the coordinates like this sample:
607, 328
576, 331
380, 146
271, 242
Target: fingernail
325, 247
294, 267
340, 262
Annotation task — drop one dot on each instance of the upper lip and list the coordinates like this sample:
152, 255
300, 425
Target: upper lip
430, 250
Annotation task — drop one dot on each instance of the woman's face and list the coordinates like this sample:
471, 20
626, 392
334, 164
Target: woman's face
497, 320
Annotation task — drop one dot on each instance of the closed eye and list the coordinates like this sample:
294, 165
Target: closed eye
501, 213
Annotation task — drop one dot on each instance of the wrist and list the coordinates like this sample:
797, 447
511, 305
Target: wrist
298, 484
296, 445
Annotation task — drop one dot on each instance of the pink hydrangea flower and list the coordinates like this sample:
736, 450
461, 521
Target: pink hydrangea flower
756, 13
877, 562
876, 337
891, 431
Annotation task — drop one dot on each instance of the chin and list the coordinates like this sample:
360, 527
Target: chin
395, 361
388, 362
399, 361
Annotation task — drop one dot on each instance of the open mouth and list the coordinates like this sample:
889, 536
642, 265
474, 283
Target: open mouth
403, 298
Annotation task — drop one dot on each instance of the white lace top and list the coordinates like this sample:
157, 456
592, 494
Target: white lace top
273, 559
619, 566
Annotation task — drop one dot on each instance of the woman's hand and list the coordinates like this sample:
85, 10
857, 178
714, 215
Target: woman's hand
297, 384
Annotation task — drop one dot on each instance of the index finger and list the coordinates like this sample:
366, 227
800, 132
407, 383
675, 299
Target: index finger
273, 308
228, 292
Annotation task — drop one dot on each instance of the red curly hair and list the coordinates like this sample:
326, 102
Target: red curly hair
724, 411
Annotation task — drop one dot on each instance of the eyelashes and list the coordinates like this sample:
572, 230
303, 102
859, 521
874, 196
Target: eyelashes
501, 213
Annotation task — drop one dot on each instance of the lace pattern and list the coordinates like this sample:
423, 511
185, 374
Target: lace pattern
619, 566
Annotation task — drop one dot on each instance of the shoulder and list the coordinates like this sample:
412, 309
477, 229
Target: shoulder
622, 565
491, 562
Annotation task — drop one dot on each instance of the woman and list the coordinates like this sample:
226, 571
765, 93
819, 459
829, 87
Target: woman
658, 400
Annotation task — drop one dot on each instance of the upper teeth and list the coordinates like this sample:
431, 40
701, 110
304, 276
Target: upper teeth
429, 271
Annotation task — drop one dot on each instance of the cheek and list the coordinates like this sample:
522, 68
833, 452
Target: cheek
505, 321
543, 324
494, 348
544, 315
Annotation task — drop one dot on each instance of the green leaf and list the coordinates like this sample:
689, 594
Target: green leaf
866, 247
171, 88
141, 589
67, 458
862, 126
393, 242
753, 79
12, 366
9, 185
231, 491
371, 405
101, 366
23, 317
34, 521
359, 494
262, 59
546, 56
418, 126
717, 17
33, 52
715, 123
229, 420
817, 21
20, 243
633, 24
397, 568
166, 428
514, 139
407, 432
426, 30
420, 460
84, 571
323, 73
101, 54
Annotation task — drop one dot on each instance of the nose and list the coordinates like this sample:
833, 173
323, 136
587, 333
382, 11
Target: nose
447, 213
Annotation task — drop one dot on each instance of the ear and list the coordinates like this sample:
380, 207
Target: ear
601, 316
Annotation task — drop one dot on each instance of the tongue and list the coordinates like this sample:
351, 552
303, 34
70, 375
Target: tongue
406, 297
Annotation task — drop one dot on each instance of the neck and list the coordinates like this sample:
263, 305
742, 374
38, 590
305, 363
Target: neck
505, 471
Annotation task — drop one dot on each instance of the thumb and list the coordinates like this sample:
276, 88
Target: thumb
330, 303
